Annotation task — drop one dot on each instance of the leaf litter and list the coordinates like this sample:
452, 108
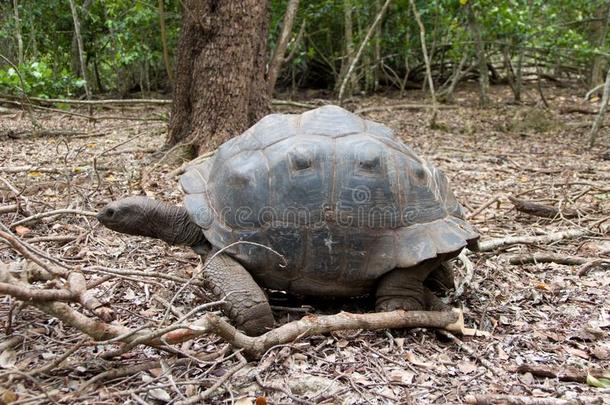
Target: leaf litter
540, 314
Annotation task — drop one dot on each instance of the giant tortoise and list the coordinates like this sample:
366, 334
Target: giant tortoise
323, 203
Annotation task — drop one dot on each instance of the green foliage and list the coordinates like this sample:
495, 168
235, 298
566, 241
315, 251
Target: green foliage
598, 382
123, 48
124, 51
39, 80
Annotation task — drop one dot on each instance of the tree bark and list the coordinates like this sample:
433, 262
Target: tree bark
422, 37
168, 68
349, 47
481, 56
599, 31
519, 74
220, 88
18, 33
282, 44
377, 50
81, 52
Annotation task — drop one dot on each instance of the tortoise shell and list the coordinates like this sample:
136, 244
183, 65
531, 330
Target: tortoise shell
340, 198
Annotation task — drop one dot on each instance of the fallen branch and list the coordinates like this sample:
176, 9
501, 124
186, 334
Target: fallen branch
101, 102
53, 238
20, 169
492, 244
540, 210
5, 209
548, 258
293, 104
403, 107
576, 110
562, 373
39, 133
256, 346
516, 400
136, 368
200, 398
76, 292
587, 267
45, 214
486, 363
486, 204
90, 117
136, 101
21, 248
314, 325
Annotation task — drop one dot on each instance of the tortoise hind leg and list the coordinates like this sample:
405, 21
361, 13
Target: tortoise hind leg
441, 279
403, 288
245, 302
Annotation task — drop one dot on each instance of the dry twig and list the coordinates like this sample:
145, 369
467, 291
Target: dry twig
516, 400
492, 244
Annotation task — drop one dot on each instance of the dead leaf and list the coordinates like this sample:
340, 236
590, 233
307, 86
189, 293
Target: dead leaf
156, 372
160, 394
8, 358
22, 230
467, 367
401, 376
8, 396
577, 352
342, 343
246, 401
601, 352
413, 359
261, 401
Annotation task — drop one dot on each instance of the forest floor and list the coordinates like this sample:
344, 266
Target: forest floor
543, 317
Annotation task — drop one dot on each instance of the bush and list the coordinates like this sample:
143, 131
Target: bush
39, 80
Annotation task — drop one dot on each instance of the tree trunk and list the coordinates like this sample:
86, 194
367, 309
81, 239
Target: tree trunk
377, 50
349, 46
519, 74
18, 33
75, 62
220, 88
599, 31
81, 52
168, 68
282, 44
422, 38
481, 56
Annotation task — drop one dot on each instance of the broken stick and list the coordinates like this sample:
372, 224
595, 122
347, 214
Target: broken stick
562, 373
516, 400
492, 244
540, 210
548, 258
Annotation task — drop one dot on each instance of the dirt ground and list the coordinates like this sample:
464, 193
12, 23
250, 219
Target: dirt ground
539, 315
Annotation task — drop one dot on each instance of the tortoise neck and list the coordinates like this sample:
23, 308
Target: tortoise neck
173, 225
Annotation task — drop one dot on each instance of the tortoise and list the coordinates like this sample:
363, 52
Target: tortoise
323, 203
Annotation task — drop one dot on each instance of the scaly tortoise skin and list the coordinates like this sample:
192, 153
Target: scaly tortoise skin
348, 206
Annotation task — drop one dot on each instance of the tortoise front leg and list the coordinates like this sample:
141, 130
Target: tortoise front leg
246, 303
403, 288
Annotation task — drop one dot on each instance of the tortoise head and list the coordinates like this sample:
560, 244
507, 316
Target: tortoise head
131, 215
143, 216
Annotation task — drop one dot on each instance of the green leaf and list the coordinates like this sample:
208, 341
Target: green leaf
598, 382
